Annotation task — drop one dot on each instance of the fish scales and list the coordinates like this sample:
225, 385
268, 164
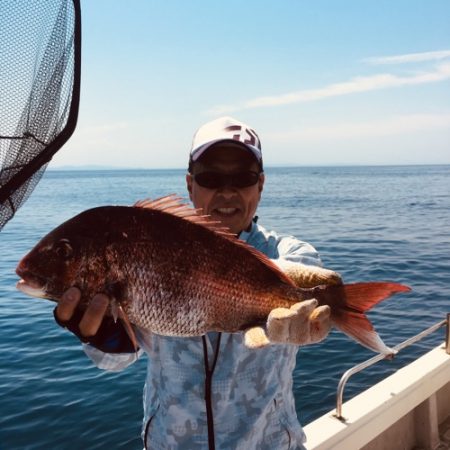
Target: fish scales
182, 280
170, 276
170, 271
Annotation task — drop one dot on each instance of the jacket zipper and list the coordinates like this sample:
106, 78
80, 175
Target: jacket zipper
147, 427
208, 384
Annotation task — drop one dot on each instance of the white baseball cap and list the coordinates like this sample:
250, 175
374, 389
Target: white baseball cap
225, 129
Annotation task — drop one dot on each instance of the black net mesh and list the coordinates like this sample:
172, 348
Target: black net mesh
40, 44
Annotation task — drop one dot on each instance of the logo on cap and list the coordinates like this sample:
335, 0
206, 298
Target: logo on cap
246, 135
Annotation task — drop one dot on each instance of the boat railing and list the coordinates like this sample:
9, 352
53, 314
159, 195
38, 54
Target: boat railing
396, 349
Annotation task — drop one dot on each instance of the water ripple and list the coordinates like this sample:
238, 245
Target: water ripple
369, 223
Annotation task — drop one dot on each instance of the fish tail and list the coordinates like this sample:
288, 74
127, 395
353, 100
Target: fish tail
349, 307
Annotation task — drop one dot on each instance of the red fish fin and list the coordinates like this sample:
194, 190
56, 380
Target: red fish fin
363, 296
266, 261
357, 326
171, 204
128, 328
354, 300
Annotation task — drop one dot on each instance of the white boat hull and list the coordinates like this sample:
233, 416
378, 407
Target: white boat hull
408, 409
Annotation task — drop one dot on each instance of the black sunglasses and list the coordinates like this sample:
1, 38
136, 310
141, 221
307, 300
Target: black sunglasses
216, 180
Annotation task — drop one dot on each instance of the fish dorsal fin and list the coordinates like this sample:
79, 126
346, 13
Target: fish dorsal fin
172, 204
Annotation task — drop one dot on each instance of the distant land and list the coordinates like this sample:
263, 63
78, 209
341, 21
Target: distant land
88, 167
101, 167
105, 167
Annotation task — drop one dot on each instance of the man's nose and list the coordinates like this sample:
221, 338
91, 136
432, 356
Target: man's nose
227, 191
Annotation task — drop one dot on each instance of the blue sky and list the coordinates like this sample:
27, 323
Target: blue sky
322, 82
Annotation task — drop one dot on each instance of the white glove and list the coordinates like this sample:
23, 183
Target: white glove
302, 324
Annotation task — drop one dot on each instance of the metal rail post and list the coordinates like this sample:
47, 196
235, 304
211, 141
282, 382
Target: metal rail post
379, 357
447, 336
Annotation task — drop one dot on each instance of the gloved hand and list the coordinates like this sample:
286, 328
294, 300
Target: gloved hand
304, 322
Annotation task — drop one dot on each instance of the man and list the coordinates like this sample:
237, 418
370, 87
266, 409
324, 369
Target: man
214, 391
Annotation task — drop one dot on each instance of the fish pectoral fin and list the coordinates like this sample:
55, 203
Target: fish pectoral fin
128, 327
115, 289
357, 326
256, 337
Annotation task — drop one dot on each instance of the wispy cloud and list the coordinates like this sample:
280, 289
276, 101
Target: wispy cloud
395, 125
409, 58
104, 128
354, 85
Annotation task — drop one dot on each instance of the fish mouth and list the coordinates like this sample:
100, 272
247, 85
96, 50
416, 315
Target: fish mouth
30, 283
31, 289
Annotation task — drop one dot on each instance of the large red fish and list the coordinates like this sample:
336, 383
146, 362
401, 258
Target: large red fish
173, 272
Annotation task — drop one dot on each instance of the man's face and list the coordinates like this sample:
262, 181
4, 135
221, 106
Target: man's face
231, 205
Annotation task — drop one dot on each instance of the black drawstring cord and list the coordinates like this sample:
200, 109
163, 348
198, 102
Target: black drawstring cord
208, 384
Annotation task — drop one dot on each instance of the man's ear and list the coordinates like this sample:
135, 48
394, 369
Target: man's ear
262, 178
189, 181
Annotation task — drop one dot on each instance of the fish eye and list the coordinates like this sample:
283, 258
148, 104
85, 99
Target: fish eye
63, 249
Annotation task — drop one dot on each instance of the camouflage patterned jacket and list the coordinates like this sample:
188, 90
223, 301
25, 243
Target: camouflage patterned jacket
213, 387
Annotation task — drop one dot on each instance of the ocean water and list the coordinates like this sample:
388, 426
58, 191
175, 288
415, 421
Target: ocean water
368, 223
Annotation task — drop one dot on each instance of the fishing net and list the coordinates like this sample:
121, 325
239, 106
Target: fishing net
40, 45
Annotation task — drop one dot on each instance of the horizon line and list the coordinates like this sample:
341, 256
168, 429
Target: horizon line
84, 167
